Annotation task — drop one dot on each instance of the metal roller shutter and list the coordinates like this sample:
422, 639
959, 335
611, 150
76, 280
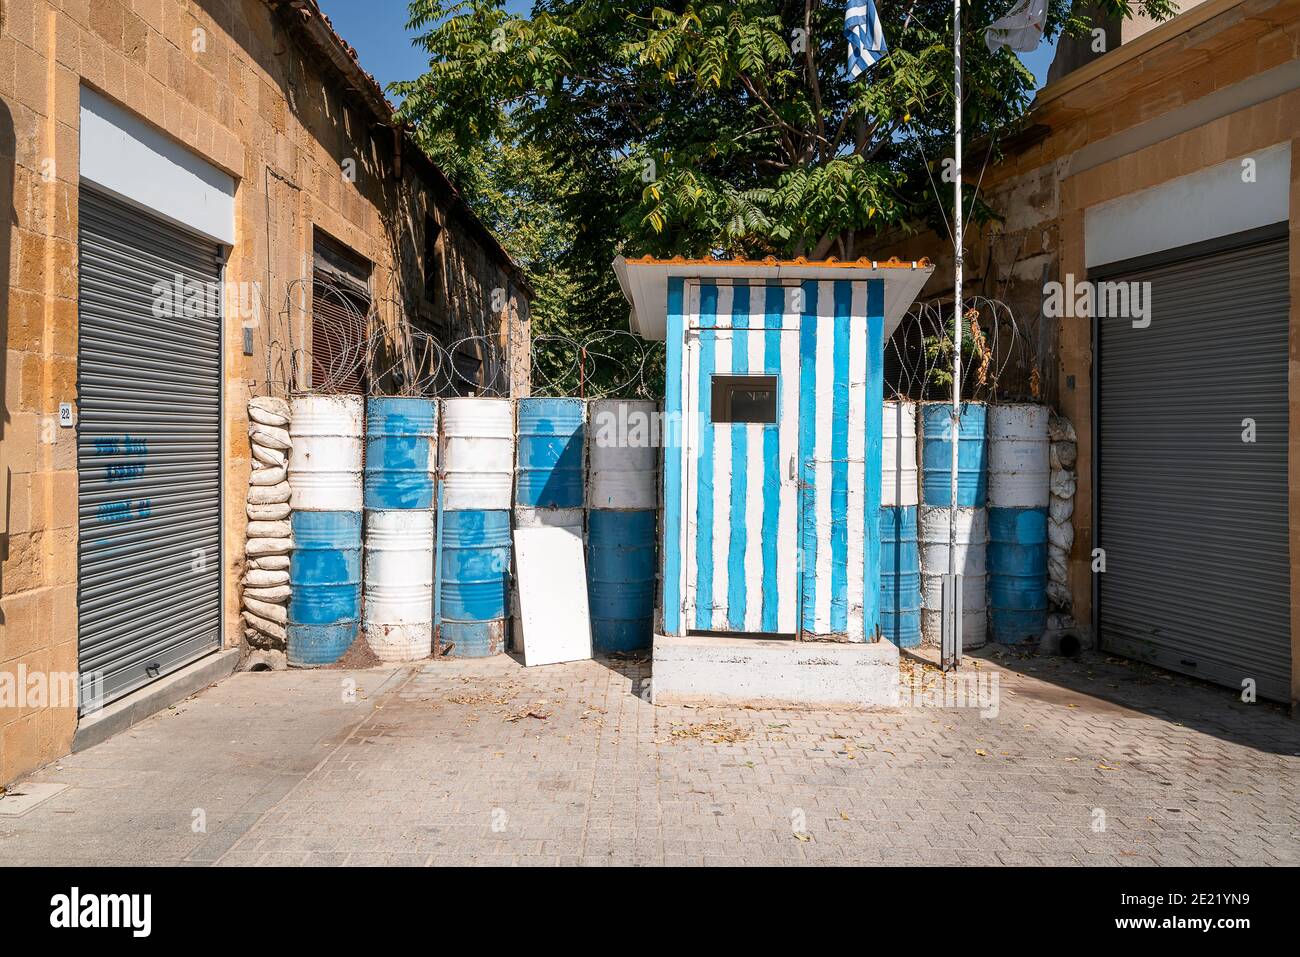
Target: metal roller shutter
148, 447
1193, 519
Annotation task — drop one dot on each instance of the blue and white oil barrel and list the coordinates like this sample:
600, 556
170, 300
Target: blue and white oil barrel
400, 466
326, 497
475, 581
1018, 499
971, 564
478, 436
936, 454
550, 473
971, 517
900, 557
622, 522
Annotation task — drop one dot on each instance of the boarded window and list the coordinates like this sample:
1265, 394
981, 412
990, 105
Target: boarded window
744, 398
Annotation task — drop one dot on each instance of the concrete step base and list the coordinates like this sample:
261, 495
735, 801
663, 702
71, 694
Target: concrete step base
774, 673
154, 697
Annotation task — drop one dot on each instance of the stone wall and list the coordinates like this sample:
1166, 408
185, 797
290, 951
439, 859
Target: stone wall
239, 83
1140, 116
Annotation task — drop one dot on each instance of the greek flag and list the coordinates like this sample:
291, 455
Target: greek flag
866, 38
1021, 29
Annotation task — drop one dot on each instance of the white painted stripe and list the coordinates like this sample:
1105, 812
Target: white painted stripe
721, 472
788, 547
690, 460
825, 403
755, 471
858, 402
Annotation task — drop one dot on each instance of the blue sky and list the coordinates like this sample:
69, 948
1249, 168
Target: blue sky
377, 28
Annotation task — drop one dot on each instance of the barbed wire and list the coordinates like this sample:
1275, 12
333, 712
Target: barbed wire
332, 338
367, 346
996, 353
604, 364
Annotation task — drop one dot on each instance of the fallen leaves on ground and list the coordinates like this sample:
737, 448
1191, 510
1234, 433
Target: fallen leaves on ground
715, 732
482, 696
530, 712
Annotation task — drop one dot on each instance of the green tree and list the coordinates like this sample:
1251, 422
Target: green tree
701, 128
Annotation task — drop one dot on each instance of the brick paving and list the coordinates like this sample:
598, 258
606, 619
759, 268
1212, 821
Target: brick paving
1086, 762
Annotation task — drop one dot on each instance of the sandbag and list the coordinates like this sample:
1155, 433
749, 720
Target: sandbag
264, 455
265, 417
268, 494
1063, 484
272, 476
275, 593
269, 628
269, 529
269, 562
1060, 509
268, 610
269, 513
269, 403
1060, 534
270, 435
264, 578
268, 546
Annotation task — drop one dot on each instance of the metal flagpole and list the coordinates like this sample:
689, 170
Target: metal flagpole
952, 611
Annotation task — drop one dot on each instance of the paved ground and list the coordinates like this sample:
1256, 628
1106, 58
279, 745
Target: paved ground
1090, 762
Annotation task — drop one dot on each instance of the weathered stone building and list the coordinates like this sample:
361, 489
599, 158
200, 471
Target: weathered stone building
1167, 166
241, 139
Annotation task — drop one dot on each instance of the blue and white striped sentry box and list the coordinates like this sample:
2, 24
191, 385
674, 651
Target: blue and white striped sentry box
772, 439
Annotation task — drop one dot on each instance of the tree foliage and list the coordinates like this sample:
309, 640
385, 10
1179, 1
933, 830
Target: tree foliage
705, 128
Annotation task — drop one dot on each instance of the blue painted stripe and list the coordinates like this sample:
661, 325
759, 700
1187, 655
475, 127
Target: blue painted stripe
705, 472
774, 310
400, 437
874, 397
807, 450
840, 457
674, 370
736, 590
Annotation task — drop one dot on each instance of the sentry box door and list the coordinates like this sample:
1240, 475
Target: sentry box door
741, 407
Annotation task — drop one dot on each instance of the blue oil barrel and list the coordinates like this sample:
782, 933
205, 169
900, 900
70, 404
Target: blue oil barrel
400, 453
550, 458
936, 455
900, 576
621, 550
475, 581
325, 577
1017, 567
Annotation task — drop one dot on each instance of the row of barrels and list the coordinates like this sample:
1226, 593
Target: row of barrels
428, 491
1000, 520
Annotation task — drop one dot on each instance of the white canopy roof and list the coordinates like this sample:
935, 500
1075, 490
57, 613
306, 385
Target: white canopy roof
645, 282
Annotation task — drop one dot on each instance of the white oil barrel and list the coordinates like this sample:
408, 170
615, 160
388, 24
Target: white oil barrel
1018, 456
399, 584
971, 549
325, 461
623, 461
478, 436
898, 485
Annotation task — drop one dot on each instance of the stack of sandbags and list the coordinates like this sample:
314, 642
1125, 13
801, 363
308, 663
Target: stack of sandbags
270, 539
1062, 456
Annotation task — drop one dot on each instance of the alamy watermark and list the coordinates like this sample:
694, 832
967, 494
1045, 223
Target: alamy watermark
1104, 300
181, 297
24, 688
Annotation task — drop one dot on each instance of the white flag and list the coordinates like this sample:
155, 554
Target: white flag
1021, 29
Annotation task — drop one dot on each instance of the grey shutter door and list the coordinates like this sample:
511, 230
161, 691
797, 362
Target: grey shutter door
1193, 519
148, 447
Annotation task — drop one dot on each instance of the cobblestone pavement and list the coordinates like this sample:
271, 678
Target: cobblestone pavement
1090, 762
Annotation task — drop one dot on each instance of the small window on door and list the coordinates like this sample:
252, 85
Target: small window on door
744, 398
